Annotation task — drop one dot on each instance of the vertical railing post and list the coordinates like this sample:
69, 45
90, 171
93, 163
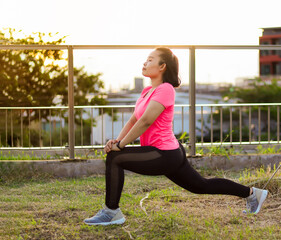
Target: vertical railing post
202, 126
182, 122
230, 124
92, 142
12, 130
192, 117
240, 125
221, 123
212, 126
259, 123
60, 129
250, 124
278, 124
6, 128
71, 133
21, 128
40, 130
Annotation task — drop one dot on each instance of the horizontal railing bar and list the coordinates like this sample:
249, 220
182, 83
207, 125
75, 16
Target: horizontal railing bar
58, 147
77, 47
263, 47
237, 104
65, 107
237, 143
33, 108
245, 47
33, 47
198, 144
132, 106
129, 46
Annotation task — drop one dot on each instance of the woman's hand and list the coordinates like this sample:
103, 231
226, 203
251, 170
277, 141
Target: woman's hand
109, 145
115, 148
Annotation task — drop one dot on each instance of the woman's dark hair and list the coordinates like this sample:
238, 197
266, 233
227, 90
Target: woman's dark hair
171, 74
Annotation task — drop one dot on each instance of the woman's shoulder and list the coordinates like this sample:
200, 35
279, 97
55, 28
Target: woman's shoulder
167, 87
165, 94
145, 90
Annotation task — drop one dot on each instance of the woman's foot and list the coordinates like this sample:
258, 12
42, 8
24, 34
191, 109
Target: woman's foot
255, 200
105, 217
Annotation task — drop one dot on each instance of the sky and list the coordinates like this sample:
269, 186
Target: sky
154, 22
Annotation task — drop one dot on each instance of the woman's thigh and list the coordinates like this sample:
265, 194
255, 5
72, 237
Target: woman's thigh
147, 160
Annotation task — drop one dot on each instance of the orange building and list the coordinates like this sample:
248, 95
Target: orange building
270, 60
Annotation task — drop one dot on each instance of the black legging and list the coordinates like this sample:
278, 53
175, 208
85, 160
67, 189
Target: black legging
171, 163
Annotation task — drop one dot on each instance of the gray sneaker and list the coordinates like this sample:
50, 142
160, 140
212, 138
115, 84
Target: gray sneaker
105, 217
255, 200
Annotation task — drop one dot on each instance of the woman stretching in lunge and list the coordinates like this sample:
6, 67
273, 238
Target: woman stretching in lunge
160, 152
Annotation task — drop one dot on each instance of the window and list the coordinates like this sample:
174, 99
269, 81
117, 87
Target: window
265, 69
278, 41
264, 52
278, 68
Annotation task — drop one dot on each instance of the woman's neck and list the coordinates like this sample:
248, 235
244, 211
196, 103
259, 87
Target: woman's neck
156, 82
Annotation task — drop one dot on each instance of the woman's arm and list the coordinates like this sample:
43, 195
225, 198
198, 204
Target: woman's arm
153, 110
124, 131
127, 127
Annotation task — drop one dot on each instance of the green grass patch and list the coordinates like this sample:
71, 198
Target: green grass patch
24, 156
90, 154
99, 154
43, 207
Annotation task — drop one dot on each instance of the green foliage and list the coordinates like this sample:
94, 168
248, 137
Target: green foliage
260, 177
219, 150
24, 156
31, 78
36, 77
28, 77
184, 137
226, 151
257, 92
92, 154
199, 151
268, 150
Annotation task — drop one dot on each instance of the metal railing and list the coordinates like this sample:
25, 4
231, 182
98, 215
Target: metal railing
192, 85
215, 125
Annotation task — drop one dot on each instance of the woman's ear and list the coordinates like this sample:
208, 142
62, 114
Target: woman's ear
163, 67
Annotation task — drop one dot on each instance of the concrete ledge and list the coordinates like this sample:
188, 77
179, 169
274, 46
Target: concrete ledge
236, 162
79, 168
59, 168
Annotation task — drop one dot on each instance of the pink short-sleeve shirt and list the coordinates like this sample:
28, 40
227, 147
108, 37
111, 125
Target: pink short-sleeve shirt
160, 134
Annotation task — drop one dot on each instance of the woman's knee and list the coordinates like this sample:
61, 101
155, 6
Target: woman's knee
199, 187
111, 158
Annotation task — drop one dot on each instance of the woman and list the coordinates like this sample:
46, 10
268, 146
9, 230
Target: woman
160, 152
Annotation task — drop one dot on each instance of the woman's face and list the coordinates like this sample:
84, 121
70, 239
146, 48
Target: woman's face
151, 67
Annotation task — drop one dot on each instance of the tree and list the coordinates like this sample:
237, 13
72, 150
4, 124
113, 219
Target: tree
31, 78
36, 77
257, 92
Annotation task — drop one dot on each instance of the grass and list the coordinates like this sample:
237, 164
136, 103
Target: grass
24, 156
36, 206
98, 154
227, 151
91, 154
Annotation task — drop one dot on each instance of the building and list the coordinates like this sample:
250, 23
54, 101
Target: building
138, 84
270, 60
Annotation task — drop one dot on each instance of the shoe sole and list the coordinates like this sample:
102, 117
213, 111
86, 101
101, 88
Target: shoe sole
263, 197
119, 221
